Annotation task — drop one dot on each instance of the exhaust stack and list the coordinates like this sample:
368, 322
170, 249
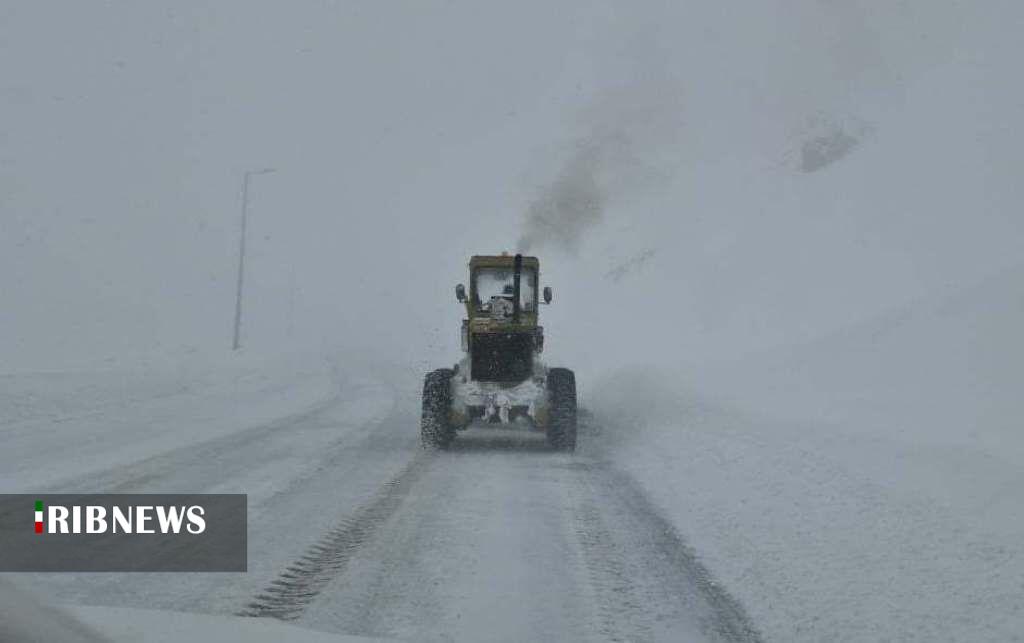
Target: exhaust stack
517, 272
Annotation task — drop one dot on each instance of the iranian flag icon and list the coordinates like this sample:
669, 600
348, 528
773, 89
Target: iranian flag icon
39, 516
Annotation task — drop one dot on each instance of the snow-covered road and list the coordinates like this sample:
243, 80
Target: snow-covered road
501, 539
354, 529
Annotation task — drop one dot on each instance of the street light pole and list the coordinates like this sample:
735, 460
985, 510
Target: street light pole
236, 342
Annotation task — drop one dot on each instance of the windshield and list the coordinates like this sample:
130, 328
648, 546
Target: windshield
497, 282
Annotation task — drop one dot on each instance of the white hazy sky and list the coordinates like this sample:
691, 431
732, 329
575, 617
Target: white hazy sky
410, 135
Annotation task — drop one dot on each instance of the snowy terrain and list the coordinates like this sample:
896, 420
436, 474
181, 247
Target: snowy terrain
64, 424
863, 487
785, 240
497, 539
860, 512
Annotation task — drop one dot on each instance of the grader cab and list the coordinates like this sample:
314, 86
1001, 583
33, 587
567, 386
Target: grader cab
501, 379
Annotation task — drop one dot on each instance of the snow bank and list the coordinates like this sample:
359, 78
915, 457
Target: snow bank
827, 327
25, 618
159, 626
861, 487
83, 421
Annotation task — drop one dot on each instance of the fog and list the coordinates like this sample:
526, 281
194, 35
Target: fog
408, 136
784, 239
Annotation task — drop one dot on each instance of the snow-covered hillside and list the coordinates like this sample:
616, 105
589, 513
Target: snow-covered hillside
861, 487
822, 356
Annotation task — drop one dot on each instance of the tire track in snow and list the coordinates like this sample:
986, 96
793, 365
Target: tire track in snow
613, 593
636, 575
287, 596
649, 574
132, 477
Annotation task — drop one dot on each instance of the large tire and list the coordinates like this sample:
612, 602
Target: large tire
435, 426
562, 413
